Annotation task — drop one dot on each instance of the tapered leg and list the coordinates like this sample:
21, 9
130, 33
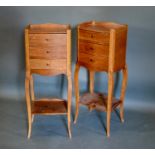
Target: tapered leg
91, 81
32, 118
32, 88
123, 89
28, 102
109, 102
69, 104
32, 92
76, 86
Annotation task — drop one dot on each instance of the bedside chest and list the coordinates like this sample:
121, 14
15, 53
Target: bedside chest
101, 47
48, 53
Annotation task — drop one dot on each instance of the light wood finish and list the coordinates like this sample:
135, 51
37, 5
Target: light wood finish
32, 88
48, 64
48, 72
76, 86
69, 78
48, 53
28, 102
101, 47
27, 85
32, 93
109, 100
48, 28
124, 85
91, 82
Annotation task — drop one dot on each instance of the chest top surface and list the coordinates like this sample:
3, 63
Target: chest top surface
48, 28
100, 26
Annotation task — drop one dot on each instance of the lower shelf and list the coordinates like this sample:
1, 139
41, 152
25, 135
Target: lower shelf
98, 101
49, 107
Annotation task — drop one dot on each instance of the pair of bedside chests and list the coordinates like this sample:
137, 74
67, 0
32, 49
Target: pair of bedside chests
101, 46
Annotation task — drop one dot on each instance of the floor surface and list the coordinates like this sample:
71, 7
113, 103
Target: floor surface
138, 130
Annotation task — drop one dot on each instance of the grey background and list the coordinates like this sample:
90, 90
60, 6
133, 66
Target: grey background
140, 94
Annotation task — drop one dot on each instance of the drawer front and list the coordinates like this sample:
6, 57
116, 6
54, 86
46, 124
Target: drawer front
59, 64
93, 49
56, 52
93, 62
48, 46
96, 37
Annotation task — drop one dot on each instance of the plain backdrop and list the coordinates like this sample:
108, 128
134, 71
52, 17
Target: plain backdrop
138, 131
140, 50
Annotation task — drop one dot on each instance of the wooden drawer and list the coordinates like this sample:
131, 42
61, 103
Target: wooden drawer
96, 37
57, 64
47, 40
48, 46
52, 52
93, 62
93, 49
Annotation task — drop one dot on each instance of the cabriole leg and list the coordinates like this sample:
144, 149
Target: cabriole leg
109, 102
76, 86
28, 102
32, 92
123, 89
69, 104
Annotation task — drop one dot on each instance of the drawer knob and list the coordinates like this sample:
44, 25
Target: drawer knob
91, 48
92, 36
47, 64
47, 51
46, 39
91, 60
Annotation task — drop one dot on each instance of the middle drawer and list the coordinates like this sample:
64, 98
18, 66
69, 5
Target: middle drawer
93, 49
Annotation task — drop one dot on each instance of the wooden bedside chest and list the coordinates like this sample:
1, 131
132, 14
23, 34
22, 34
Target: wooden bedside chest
101, 47
48, 53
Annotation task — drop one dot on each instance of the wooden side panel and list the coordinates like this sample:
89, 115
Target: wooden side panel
120, 49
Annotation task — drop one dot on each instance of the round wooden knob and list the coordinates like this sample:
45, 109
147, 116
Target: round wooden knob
92, 36
91, 48
91, 60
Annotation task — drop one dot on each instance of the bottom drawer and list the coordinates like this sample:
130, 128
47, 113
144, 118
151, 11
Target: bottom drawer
48, 66
93, 62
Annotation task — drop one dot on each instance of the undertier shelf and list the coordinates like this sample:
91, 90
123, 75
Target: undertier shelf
49, 107
98, 101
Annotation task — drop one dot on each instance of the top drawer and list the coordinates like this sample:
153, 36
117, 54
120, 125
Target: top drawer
47, 46
95, 37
